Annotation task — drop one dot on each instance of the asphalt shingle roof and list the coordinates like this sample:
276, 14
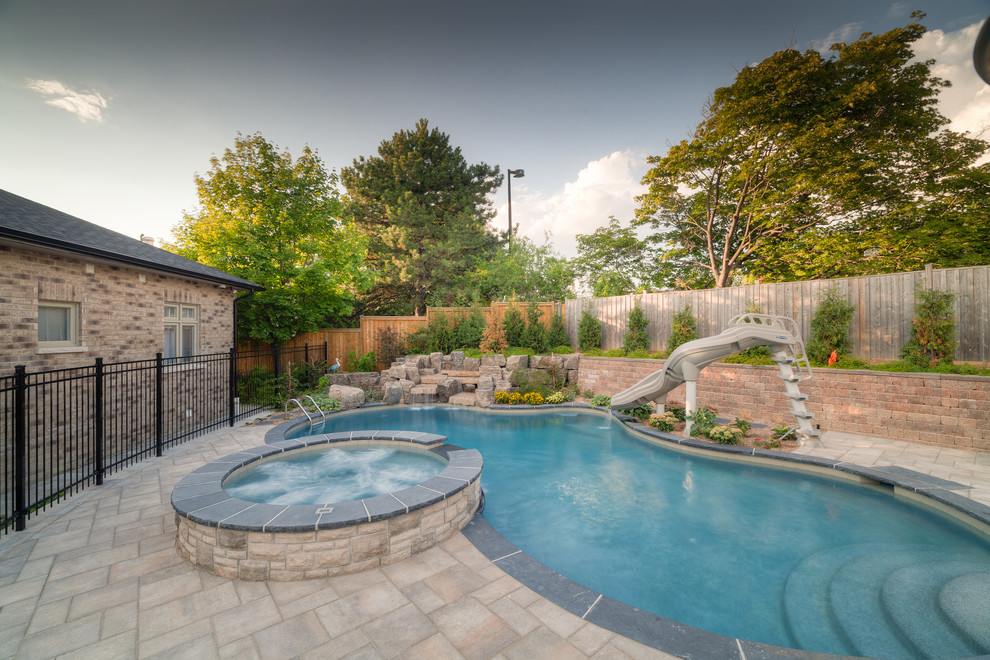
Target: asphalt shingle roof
29, 222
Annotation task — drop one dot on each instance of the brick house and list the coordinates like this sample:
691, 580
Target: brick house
71, 291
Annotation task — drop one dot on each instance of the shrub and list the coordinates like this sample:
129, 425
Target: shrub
772, 443
702, 421
830, 327
589, 332
642, 413
514, 325
781, 432
533, 399
562, 350
679, 411
934, 326
305, 376
663, 422
558, 333
390, 345
260, 386
558, 397
683, 328
325, 403
724, 434
493, 339
367, 362
742, 424
638, 353
535, 335
470, 330
532, 380
615, 352
600, 400
636, 338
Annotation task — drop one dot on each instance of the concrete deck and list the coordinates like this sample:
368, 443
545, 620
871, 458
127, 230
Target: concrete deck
98, 576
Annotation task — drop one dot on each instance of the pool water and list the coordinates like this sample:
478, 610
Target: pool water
752, 552
330, 474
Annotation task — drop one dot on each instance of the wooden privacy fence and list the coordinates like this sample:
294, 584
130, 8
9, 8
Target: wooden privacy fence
881, 323
341, 341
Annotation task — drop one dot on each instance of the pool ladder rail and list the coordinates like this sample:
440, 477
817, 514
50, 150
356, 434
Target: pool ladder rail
323, 415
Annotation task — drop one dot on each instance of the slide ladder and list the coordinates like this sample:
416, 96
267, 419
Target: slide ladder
744, 331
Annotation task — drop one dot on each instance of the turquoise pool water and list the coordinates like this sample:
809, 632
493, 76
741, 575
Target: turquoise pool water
330, 474
751, 552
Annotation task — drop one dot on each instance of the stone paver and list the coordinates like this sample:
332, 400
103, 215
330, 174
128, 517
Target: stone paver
97, 576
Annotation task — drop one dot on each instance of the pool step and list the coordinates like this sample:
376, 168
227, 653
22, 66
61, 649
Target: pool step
965, 601
934, 605
911, 598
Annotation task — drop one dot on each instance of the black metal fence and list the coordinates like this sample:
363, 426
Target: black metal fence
66, 429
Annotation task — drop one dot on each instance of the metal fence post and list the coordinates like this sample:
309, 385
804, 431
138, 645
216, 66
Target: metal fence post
326, 352
20, 449
306, 352
232, 390
159, 412
99, 422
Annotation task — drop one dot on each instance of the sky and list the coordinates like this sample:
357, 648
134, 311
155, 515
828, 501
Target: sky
108, 109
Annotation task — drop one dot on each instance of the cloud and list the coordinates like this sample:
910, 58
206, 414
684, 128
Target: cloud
844, 34
88, 106
605, 187
966, 104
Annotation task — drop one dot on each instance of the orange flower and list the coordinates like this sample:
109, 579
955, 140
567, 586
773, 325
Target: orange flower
832, 358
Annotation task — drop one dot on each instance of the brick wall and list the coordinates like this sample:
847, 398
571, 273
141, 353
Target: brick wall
934, 409
121, 309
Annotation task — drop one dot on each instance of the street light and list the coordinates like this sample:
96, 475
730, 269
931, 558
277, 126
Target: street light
517, 174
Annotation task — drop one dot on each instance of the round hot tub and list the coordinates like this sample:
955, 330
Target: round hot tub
280, 539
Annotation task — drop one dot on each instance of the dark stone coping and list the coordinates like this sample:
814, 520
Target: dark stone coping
647, 628
200, 497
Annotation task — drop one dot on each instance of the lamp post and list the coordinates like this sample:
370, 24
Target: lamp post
517, 174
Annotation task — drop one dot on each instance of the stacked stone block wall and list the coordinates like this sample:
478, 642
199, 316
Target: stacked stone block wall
300, 555
935, 409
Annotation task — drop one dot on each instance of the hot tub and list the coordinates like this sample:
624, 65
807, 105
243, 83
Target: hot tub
236, 538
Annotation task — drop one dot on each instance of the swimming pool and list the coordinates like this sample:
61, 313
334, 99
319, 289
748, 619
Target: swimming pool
747, 551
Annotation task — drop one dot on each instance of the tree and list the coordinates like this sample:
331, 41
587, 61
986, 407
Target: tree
809, 166
615, 262
589, 332
637, 338
830, 327
524, 270
275, 221
683, 328
933, 340
535, 336
424, 211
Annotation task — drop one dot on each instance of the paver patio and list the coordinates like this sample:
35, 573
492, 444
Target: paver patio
98, 576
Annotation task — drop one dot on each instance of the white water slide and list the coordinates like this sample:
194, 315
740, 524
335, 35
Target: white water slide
684, 365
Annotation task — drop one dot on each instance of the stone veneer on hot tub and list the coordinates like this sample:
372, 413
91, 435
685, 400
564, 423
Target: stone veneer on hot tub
235, 538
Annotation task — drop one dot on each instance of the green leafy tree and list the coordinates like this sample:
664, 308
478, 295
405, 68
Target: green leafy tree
613, 261
558, 331
683, 328
471, 329
277, 222
514, 325
526, 270
425, 213
811, 166
636, 338
934, 330
535, 335
589, 332
830, 327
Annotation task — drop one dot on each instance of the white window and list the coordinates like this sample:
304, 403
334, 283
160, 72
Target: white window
181, 331
58, 324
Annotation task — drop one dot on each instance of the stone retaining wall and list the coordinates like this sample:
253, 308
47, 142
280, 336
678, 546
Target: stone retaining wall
936, 409
287, 556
